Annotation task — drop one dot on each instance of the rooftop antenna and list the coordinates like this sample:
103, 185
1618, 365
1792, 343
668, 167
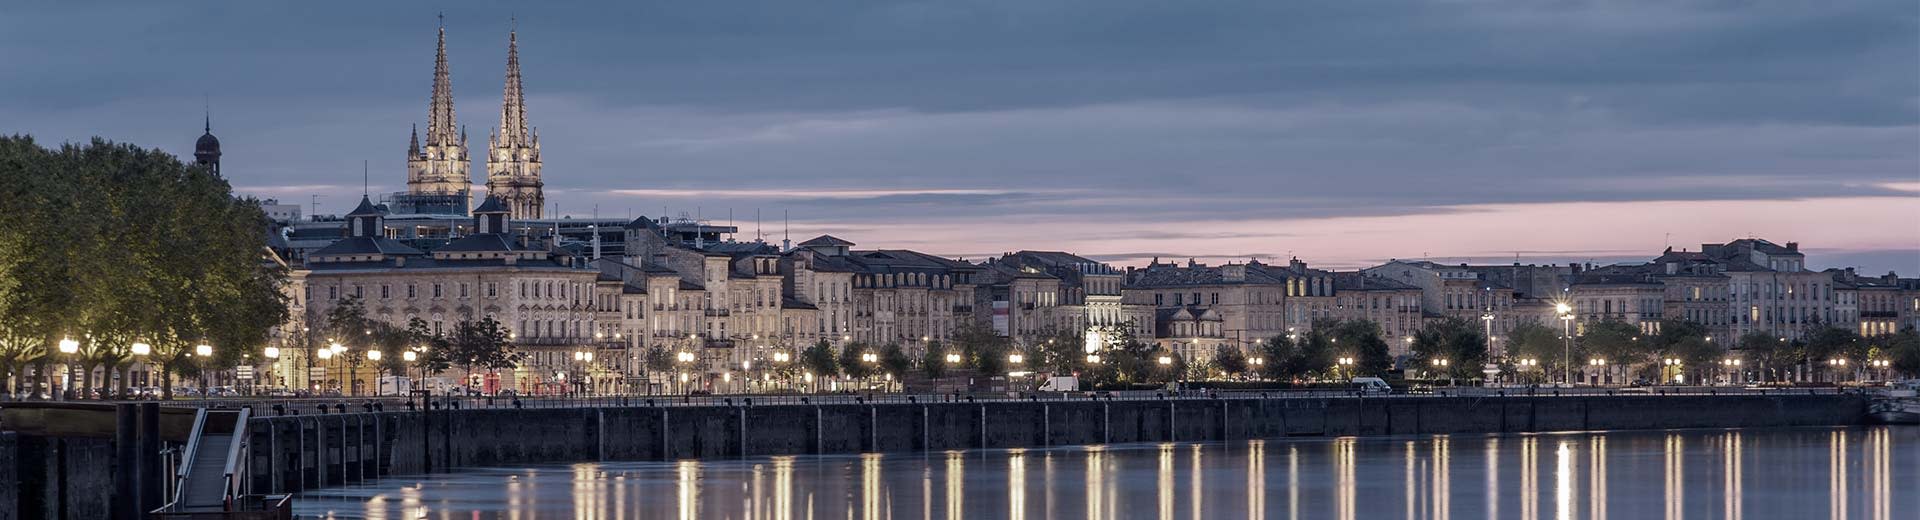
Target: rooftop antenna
732, 235
364, 189
786, 234
758, 235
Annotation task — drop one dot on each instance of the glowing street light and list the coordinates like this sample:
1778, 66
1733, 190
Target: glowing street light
409, 356
203, 350
373, 355
324, 354
1093, 358
1258, 361
870, 357
1015, 358
69, 346
1166, 360
953, 358
1439, 362
685, 357
272, 352
142, 349
781, 357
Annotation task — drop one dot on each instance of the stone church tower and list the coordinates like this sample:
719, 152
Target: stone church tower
438, 167
513, 158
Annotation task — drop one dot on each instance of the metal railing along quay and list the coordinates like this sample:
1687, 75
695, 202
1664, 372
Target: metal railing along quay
334, 405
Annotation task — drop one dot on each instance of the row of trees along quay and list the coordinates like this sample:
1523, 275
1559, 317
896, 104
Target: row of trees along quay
111, 255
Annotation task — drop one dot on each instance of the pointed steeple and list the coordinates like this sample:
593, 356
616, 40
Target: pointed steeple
437, 165
413, 141
513, 103
513, 155
441, 125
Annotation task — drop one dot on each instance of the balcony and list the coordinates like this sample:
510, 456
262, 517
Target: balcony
719, 312
963, 309
548, 341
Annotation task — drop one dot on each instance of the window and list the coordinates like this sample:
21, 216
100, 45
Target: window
384, 292
493, 289
411, 292
463, 289
1216, 298
436, 290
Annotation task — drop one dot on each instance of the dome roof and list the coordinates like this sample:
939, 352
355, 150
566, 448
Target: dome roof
207, 143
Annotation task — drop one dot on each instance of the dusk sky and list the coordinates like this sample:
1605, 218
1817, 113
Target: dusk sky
1345, 133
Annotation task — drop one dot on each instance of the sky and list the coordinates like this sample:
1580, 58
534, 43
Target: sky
1341, 133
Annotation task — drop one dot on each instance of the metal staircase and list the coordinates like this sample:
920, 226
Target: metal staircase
213, 463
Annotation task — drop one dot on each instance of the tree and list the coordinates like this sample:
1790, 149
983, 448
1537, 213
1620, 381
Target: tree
162, 254
1531, 340
1358, 339
819, 360
1280, 352
933, 362
1457, 343
1769, 355
1056, 351
1230, 361
1617, 342
894, 360
1825, 343
982, 348
482, 345
852, 364
1903, 349
657, 359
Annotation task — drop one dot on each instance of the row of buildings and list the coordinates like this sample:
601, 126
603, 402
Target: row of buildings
616, 288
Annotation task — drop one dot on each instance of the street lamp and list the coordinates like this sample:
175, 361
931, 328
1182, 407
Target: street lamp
1093, 358
1166, 360
953, 358
1015, 358
1675, 364
373, 355
1566, 335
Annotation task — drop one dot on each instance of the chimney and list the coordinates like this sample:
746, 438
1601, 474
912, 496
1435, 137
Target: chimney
1793, 246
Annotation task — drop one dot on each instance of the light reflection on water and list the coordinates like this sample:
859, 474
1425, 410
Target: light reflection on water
1702, 475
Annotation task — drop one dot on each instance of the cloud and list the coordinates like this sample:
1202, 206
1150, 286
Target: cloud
1093, 125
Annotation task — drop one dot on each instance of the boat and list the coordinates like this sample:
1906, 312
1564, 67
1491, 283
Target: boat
1895, 411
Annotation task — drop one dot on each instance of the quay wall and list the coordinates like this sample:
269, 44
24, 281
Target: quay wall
293, 453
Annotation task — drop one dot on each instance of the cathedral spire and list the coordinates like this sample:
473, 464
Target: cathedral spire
513, 155
513, 103
441, 127
437, 164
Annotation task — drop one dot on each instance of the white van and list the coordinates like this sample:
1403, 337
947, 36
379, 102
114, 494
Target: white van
1371, 385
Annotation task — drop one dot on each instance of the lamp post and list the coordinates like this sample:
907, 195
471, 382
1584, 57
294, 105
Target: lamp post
1492, 367
1344, 364
1601, 364
201, 352
68, 349
686, 360
1566, 335
140, 349
1674, 365
273, 363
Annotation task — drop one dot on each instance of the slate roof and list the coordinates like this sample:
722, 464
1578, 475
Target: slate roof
365, 209
1359, 281
492, 205
365, 246
1171, 276
826, 240
484, 242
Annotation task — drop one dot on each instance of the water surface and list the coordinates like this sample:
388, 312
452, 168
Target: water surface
1867, 473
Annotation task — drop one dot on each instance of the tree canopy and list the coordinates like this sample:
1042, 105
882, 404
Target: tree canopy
125, 245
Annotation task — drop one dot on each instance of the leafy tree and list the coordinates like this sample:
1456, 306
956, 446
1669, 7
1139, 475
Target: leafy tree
1359, 339
482, 345
1056, 351
933, 362
894, 360
1460, 343
1903, 349
851, 363
1280, 353
982, 349
1618, 342
1531, 340
1769, 355
819, 359
1132, 361
1230, 361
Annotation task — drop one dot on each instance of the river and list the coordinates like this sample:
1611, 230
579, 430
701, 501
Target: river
1802, 473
